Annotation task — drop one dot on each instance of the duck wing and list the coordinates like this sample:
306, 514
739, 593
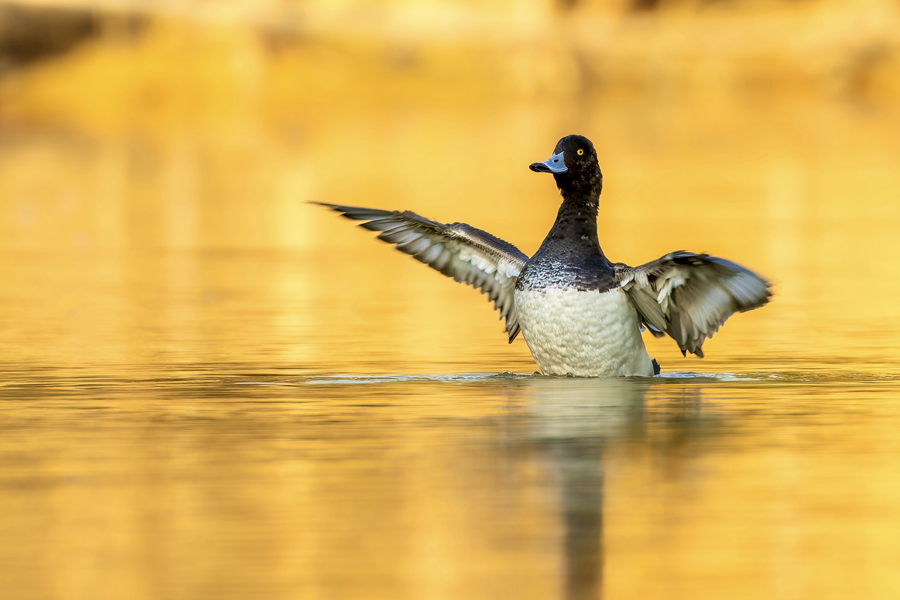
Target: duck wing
689, 296
457, 250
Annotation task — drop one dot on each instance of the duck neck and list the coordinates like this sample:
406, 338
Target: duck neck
577, 216
576, 220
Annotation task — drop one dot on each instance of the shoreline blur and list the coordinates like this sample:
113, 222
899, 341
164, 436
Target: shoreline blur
152, 64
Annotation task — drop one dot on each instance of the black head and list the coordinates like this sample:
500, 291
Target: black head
575, 168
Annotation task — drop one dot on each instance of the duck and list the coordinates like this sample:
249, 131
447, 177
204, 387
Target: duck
580, 314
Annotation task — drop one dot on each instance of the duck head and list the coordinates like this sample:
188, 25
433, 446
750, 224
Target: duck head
575, 169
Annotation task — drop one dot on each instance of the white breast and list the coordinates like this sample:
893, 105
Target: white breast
582, 333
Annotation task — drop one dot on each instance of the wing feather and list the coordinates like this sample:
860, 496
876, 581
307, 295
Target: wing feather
457, 250
689, 296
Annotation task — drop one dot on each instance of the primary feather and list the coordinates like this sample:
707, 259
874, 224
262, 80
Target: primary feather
457, 250
689, 296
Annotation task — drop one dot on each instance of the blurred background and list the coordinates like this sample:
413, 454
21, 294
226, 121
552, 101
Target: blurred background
157, 158
211, 388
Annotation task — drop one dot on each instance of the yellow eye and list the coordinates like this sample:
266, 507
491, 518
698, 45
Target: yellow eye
580, 152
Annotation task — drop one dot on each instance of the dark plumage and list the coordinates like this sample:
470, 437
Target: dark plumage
570, 255
684, 295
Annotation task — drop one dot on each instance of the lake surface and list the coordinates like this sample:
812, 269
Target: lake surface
210, 389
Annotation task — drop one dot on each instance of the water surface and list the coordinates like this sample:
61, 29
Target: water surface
210, 389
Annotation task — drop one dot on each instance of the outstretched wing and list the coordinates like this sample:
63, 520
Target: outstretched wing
457, 250
689, 296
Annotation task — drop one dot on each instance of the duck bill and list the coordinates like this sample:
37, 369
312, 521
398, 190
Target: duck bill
554, 164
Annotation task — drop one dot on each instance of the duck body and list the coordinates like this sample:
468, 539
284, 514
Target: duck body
580, 314
584, 333
574, 316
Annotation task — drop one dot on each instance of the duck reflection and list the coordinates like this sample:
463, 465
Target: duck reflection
571, 422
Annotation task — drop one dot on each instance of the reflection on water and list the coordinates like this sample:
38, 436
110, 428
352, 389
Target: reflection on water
573, 420
220, 485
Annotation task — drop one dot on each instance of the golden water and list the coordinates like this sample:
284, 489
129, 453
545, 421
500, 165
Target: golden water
211, 389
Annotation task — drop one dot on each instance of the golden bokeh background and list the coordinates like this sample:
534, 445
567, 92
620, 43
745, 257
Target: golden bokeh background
209, 386
168, 132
